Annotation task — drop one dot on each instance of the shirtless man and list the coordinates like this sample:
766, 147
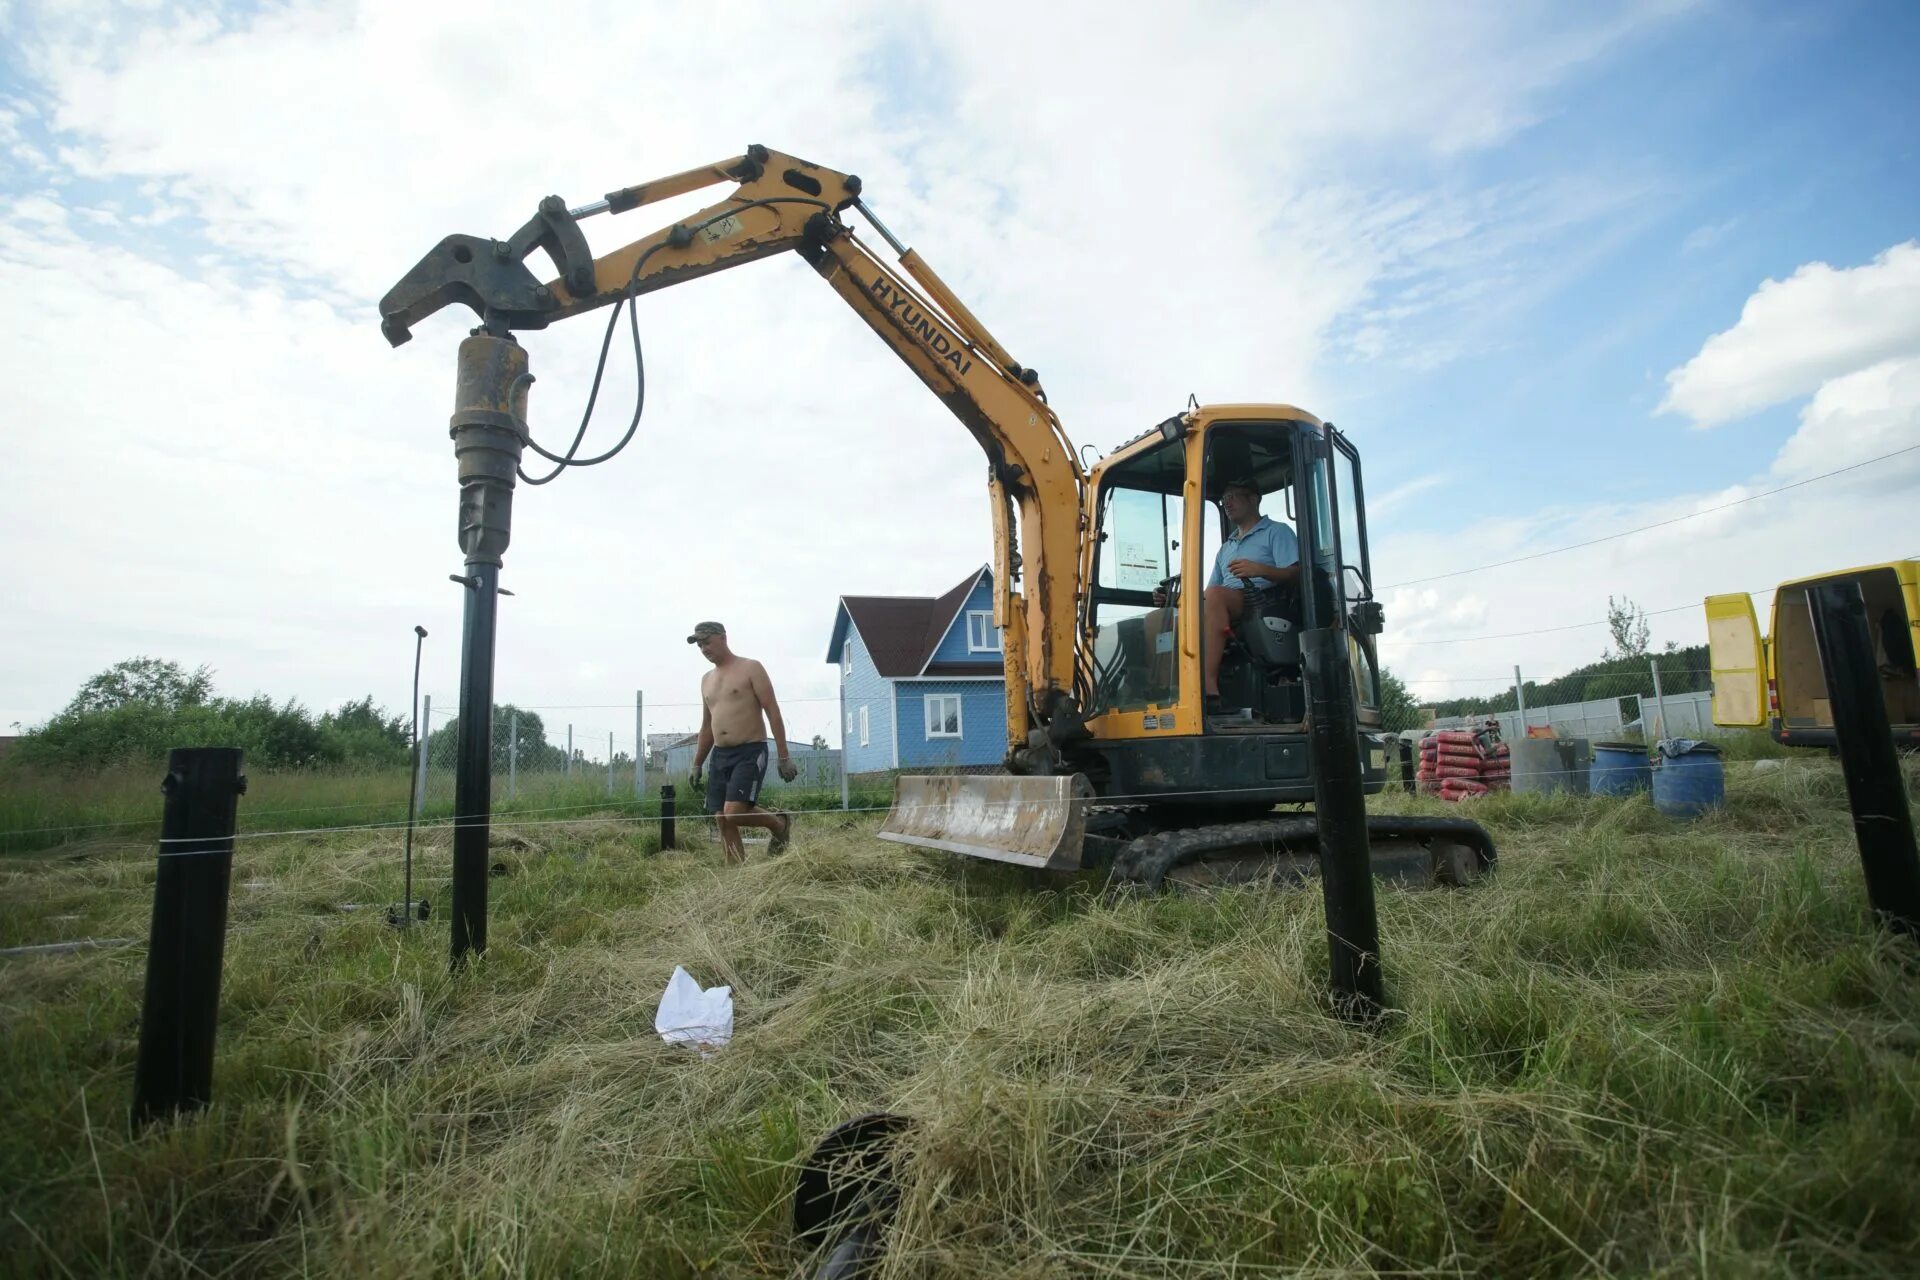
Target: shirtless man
734, 696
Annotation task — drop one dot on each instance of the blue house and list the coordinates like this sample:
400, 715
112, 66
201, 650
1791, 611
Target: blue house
922, 679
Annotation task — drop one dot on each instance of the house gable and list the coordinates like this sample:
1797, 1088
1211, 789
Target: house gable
953, 653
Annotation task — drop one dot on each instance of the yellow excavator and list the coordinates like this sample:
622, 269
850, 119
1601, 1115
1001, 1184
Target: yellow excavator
1116, 757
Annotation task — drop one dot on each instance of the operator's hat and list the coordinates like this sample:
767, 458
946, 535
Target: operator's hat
705, 629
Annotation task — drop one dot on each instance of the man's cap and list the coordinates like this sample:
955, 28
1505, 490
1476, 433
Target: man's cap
706, 629
1242, 482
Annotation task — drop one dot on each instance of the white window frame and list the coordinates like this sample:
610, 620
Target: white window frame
849, 724
863, 726
929, 721
989, 635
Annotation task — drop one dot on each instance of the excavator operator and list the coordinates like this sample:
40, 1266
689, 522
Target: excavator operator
1258, 553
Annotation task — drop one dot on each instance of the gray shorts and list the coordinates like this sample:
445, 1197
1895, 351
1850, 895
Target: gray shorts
735, 773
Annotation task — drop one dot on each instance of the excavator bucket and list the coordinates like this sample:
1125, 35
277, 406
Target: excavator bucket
1035, 822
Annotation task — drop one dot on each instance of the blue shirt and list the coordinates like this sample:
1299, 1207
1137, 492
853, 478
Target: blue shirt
1265, 543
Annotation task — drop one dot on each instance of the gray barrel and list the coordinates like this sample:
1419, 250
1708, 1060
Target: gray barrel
1551, 764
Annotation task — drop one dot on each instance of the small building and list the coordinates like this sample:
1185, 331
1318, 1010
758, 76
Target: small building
923, 679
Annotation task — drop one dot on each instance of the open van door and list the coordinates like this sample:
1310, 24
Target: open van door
1739, 665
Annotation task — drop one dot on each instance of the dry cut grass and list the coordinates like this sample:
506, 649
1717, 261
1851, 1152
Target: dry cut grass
1644, 1048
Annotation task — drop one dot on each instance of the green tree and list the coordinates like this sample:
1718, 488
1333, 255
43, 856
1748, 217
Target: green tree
535, 751
1398, 710
1627, 624
154, 682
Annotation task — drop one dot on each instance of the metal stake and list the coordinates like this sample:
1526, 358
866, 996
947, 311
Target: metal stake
666, 816
426, 749
513, 757
1659, 698
1876, 789
187, 939
639, 745
1520, 701
405, 916
609, 763
1340, 807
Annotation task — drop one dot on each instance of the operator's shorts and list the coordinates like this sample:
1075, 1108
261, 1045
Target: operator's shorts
735, 773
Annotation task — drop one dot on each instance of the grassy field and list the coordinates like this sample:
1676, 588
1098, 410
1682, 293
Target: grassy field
40, 809
1643, 1048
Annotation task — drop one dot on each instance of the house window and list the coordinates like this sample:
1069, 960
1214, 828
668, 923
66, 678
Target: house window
982, 635
943, 715
863, 726
849, 724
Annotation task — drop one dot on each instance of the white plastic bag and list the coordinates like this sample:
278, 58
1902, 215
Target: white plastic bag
688, 1015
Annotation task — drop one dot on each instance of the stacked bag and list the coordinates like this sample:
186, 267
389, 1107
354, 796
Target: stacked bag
1456, 763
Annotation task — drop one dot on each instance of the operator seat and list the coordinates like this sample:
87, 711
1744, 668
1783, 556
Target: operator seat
1269, 630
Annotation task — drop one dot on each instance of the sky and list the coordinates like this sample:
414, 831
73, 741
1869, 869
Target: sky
1557, 270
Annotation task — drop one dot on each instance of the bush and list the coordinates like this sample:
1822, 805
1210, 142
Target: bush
138, 710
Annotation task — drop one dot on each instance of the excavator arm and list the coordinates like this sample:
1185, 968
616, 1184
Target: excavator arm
781, 203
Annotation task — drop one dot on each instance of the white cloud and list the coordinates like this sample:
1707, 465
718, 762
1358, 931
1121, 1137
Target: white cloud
1794, 334
1857, 416
219, 458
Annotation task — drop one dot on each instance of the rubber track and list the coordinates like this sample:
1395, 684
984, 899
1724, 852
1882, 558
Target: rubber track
1147, 859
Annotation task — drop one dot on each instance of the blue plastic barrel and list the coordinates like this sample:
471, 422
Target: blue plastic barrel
1620, 769
1689, 779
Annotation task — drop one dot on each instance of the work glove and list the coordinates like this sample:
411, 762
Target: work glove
697, 780
789, 770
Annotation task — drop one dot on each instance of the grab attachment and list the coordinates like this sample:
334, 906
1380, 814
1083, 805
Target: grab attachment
491, 276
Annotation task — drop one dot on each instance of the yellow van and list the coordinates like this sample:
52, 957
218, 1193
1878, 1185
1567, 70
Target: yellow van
1793, 697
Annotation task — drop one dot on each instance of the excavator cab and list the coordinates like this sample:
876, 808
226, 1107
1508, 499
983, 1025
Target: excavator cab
1158, 525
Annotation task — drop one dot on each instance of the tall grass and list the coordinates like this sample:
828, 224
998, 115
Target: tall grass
1643, 1047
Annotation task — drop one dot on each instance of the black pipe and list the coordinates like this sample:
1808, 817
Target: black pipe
473, 764
187, 939
666, 816
1406, 766
1340, 809
1876, 788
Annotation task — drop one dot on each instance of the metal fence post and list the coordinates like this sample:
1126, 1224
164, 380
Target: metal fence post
426, 737
609, 762
1876, 788
639, 744
513, 757
187, 939
569, 751
666, 816
1520, 704
1340, 807
1659, 698
843, 739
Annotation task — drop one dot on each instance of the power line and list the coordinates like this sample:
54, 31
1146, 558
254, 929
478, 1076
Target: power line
1658, 524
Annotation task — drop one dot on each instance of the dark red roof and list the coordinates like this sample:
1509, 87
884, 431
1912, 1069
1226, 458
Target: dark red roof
901, 632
